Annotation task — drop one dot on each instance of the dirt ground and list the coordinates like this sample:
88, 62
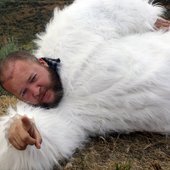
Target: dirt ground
22, 20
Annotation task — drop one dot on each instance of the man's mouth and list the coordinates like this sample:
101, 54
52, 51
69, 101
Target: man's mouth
42, 96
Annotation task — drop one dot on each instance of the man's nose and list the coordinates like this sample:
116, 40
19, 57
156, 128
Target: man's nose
35, 90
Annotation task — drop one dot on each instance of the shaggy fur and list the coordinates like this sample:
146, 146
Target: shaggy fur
115, 72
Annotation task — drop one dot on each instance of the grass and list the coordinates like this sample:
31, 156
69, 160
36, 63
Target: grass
123, 166
7, 46
5, 102
135, 151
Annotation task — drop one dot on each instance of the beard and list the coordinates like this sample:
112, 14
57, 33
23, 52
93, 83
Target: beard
56, 87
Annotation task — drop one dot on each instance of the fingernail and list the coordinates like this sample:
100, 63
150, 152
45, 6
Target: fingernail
38, 146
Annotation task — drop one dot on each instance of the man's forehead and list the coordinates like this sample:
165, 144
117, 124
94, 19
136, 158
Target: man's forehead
8, 72
15, 66
19, 67
16, 74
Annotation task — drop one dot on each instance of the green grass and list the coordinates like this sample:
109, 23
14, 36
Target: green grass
123, 166
7, 47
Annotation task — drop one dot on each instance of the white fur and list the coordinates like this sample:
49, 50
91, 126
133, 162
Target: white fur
116, 77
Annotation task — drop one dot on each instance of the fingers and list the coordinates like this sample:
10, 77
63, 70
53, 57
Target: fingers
21, 145
19, 137
27, 123
17, 145
25, 139
162, 24
23, 132
33, 132
38, 139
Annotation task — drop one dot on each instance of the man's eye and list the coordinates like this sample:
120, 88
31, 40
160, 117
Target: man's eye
33, 78
24, 93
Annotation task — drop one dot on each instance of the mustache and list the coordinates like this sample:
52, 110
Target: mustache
58, 96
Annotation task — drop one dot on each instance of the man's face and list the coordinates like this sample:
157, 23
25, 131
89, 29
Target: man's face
31, 82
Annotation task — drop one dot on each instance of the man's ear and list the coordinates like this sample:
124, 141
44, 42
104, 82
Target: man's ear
42, 62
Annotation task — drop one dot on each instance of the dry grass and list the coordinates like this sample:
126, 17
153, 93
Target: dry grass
135, 151
5, 102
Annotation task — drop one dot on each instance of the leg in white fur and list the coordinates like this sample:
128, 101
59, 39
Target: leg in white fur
110, 82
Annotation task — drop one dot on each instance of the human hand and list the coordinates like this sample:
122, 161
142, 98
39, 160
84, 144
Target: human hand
23, 132
162, 24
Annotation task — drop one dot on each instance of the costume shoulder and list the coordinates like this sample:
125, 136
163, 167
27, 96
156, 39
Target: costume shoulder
77, 31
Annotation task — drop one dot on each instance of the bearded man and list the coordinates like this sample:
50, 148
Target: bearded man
99, 67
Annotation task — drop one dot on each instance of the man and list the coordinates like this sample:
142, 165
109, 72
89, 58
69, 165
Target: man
39, 85
105, 81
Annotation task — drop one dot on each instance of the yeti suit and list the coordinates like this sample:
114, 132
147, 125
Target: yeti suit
115, 71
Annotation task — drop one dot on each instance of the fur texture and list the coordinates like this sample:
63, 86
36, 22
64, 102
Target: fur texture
116, 75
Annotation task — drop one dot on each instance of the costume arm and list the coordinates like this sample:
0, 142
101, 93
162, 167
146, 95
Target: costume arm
56, 133
125, 16
87, 21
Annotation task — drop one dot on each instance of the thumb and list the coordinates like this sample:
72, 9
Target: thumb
27, 123
38, 139
33, 131
28, 126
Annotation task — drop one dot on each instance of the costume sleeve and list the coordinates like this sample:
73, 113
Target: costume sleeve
123, 16
87, 21
56, 134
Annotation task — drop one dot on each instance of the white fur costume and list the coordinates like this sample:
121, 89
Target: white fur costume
114, 79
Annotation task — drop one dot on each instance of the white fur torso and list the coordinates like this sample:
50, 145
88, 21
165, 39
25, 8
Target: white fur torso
122, 85
115, 75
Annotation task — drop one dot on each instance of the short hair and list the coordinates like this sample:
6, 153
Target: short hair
12, 57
